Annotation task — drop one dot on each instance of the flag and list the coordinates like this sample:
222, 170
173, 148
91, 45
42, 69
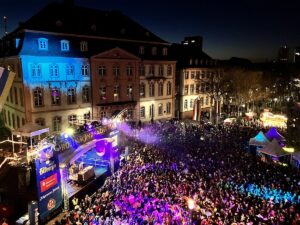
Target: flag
6, 80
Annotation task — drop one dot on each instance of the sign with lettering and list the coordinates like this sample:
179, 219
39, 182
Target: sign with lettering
49, 186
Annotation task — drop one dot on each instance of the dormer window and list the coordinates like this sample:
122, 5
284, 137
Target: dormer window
64, 45
83, 46
142, 50
154, 50
43, 44
165, 51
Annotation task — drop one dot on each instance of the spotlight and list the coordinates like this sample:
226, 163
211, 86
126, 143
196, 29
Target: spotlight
70, 131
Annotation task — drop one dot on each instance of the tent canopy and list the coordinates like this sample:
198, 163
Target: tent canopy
30, 130
259, 140
273, 134
296, 156
274, 149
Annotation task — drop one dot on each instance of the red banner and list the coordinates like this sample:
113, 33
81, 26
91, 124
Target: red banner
48, 182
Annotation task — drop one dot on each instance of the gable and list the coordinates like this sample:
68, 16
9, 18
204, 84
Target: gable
115, 53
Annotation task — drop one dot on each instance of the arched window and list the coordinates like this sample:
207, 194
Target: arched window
151, 90
169, 88
160, 109
142, 90
160, 89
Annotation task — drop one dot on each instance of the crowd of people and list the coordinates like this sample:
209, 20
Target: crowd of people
185, 162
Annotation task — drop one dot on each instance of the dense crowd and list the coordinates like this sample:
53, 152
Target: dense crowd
207, 164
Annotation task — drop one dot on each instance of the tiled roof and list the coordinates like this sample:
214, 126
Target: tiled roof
70, 19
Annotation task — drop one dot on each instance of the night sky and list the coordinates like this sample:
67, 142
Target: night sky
253, 29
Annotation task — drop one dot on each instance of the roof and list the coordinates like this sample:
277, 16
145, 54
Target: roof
273, 149
273, 134
30, 130
71, 19
259, 140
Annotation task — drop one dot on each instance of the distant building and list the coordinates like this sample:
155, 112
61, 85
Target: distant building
58, 52
195, 71
284, 54
297, 55
194, 41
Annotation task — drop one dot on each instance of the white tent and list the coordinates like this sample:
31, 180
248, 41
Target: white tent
259, 140
29, 130
274, 149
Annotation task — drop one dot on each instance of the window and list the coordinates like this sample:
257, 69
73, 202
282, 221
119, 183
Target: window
102, 91
72, 119
160, 109
43, 44
16, 96
54, 70
192, 89
186, 89
102, 71
17, 42
56, 123
151, 70
142, 70
169, 70
129, 91
197, 88
116, 92
86, 94
206, 100
102, 114
38, 97
142, 90
21, 96
71, 98
64, 45
196, 62
169, 88
142, 50
36, 70
129, 70
168, 107
116, 71
40, 121
185, 104
191, 61
151, 111
142, 112
165, 51
198, 75
83, 46
201, 101
193, 75
151, 90
191, 103
160, 89
160, 70
70, 70
84, 70
154, 51
18, 122
55, 96
9, 119
23, 121
86, 116
186, 75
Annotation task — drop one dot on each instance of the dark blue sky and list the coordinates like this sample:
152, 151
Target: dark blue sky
252, 29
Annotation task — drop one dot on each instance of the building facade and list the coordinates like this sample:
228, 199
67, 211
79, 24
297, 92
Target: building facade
58, 68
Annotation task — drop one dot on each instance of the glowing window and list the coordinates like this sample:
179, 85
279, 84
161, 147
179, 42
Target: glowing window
64, 45
55, 96
43, 44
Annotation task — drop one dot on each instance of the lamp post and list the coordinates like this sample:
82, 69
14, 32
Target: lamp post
191, 206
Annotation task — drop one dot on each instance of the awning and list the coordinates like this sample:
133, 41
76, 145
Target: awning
30, 130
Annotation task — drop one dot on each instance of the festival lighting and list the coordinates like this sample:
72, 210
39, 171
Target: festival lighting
273, 120
191, 203
69, 131
291, 150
